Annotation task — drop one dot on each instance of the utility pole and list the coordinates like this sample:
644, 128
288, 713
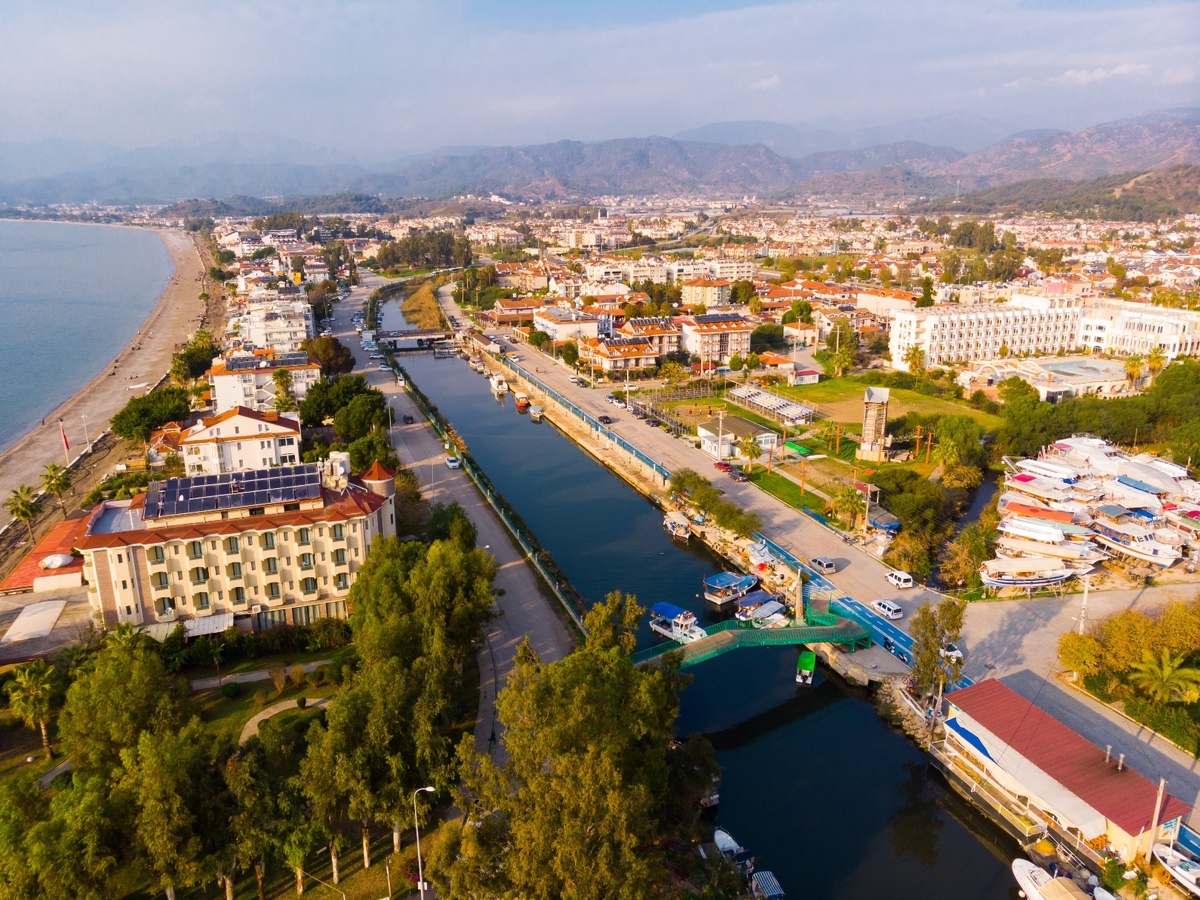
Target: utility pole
838, 444
803, 466
1087, 583
928, 447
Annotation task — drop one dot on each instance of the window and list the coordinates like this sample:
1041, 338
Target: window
273, 590
195, 550
343, 581
271, 565
156, 555
308, 585
232, 545
339, 532
238, 595
160, 580
267, 541
339, 557
234, 570
304, 536
306, 560
200, 600
199, 575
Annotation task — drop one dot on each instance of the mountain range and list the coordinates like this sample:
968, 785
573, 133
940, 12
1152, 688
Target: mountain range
734, 159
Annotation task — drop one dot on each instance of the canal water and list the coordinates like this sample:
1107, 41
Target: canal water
831, 799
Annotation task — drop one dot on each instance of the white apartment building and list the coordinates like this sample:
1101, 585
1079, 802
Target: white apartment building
240, 439
566, 324
281, 326
249, 380
281, 545
1042, 326
660, 332
716, 337
732, 269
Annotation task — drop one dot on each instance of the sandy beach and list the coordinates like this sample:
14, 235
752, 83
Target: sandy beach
146, 358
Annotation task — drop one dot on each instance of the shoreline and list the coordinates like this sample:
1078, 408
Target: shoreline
174, 317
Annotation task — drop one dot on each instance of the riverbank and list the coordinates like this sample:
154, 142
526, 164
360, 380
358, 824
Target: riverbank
143, 361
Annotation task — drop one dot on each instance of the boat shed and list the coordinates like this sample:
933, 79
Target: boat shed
1082, 794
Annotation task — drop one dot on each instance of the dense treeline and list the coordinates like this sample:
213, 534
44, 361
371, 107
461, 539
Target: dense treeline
432, 249
701, 494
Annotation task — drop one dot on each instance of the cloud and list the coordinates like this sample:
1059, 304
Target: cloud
1091, 76
770, 83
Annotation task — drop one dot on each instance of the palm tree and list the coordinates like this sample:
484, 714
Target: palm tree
23, 505
56, 480
1133, 368
284, 401
1156, 361
1167, 678
914, 357
31, 694
848, 502
751, 449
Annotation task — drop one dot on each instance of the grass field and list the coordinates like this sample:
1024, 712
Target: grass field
786, 490
841, 400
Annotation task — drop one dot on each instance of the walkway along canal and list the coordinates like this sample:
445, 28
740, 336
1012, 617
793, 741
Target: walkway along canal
832, 799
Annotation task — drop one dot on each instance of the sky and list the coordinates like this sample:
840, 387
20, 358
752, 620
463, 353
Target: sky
377, 79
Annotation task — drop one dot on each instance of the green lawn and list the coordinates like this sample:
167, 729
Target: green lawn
262, 662
230, 715
786, 490
841, 400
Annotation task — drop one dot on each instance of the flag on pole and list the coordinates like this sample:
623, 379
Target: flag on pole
63, 432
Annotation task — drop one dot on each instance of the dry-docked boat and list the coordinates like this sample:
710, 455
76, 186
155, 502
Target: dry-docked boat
1076, 551
1133, 540
1024, 572
1182, 865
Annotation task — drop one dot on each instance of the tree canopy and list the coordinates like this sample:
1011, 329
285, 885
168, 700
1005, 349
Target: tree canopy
142, 415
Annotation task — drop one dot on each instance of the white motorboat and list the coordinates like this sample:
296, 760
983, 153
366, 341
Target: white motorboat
675, 622
1132, 540
1182, 865
498, 383
1024, 572
1046, 468
1038, 884
1076, 551
1031, 530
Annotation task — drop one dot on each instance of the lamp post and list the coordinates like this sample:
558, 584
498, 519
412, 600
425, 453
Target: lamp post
417, 826
86, 440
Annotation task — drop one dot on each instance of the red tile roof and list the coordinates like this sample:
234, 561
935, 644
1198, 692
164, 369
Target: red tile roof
62, 538
1124, 798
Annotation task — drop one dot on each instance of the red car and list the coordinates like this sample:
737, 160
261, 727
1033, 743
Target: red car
723, 466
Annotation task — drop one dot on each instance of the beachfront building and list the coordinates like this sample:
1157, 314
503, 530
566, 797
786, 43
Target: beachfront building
716, 337
249, 379
281, 546
1115, 326
566, 324
282, 325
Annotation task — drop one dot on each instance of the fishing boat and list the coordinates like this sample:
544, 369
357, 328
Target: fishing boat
759, 555
677, 525
1133, 540
675, 622
536, 413
499, 385
1024, 572
754, 600
477, 366
728, 587
766, 885
1038, 884
1077, 551
1182, 865
522, 401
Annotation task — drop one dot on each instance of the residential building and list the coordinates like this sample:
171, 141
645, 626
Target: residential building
730, 269
660, 331
240, 439
249, 379
281, 326
565, 324
716, 337
620, 354
720, 436
280, 545
707, 292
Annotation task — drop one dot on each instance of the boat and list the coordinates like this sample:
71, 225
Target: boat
806, 667
1078, 551
536, 413
522, 401
765, 884
1035, 486
677, 525
477, 366
675, 622
1045, 468
728, 587
1038, 884
733, 851
499, 385
748, 605
1182, 865
1024, 572
1134, 540
1021, 527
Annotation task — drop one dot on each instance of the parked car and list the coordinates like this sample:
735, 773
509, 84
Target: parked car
900, 579
951, 651
408, 420
738, 475
453, 462
888, 609
609, 398
604, 420
824, 565
384, 367
376, 356
722, 465
653, 423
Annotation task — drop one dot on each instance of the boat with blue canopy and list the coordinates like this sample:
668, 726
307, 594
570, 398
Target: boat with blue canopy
675, 622
728, 587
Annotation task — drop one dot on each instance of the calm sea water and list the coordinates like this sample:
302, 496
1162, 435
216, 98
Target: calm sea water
830, 798
71, 297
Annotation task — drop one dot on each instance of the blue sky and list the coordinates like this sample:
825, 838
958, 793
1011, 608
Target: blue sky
380, 79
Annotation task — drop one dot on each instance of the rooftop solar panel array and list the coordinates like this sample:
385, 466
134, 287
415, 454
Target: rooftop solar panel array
234, 490
245, 363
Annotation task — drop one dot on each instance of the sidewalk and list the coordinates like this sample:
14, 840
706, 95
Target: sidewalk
207, 684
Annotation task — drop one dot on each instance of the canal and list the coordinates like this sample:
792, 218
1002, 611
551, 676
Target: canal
828, 796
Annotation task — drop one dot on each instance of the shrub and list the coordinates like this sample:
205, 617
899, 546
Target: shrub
296, 674
261, 698
230, 689
301, 702
278, 678
315, 677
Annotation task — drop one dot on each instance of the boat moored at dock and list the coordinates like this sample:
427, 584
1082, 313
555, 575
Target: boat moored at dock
728, 587
677, 525
498, 383
675, 622
1038, 884
536, 413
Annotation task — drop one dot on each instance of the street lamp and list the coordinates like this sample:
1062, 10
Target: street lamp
417, 826
85, 433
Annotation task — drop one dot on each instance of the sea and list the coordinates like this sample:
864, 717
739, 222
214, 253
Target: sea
71, 297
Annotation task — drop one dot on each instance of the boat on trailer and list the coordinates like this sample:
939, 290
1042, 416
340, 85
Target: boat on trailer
675, 622
1025, 572
1182, 865
728, 587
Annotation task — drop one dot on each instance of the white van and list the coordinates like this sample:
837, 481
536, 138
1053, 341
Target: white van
888, 609
900, 579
